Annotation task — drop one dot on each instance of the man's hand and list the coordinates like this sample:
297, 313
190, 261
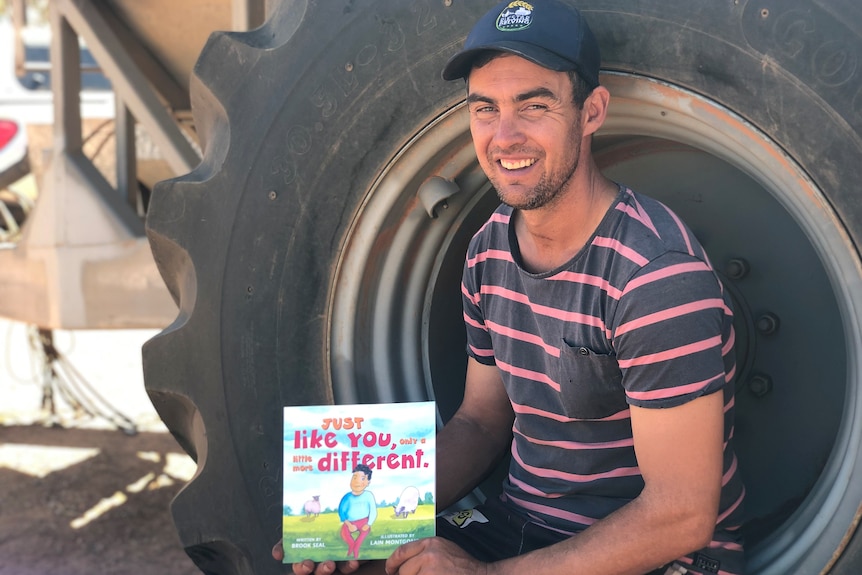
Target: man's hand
433, 556
308, 566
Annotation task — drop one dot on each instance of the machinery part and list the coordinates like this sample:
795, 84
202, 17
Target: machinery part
60, 377
81, 259
307, 270
760, 384
434, 193
14, 208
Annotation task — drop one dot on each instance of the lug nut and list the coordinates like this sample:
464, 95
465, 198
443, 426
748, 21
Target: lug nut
760, 385
736, 269
767, 324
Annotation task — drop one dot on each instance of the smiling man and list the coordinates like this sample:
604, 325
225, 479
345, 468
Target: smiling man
600, 342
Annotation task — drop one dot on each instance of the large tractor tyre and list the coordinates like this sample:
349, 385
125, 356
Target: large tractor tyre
315, 254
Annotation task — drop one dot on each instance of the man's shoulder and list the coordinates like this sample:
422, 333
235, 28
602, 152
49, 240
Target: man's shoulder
651, 229
646, 210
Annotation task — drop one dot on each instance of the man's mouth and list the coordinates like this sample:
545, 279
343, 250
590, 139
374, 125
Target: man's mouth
517, 164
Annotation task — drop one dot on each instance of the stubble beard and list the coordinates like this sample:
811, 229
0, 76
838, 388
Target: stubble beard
545, 193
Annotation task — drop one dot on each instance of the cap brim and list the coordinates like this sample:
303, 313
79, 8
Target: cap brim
460, 64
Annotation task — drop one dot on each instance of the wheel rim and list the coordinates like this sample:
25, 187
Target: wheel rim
395, 320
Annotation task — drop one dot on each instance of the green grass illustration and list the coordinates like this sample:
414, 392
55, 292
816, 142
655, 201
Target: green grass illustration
319, 538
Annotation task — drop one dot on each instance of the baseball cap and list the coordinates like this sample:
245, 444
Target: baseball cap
549, 33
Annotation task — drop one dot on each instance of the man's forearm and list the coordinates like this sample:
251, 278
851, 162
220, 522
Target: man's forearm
466, 453
649, 532
679, 453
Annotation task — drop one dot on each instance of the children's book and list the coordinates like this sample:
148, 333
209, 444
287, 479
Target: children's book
358, 479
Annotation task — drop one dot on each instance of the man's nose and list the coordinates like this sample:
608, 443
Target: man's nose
510, 130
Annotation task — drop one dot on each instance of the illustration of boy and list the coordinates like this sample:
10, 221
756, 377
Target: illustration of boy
357, 510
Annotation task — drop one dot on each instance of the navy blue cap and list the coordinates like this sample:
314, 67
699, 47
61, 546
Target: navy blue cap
550, 33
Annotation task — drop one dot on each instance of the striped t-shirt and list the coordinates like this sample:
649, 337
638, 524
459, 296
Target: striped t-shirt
637, 317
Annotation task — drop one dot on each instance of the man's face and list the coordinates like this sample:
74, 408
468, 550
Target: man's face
358, 482
526, 130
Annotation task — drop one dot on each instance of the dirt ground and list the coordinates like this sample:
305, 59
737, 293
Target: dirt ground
77, 495
89, 501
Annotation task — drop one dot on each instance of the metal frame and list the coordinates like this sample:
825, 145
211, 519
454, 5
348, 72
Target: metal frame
134, 91
83, 260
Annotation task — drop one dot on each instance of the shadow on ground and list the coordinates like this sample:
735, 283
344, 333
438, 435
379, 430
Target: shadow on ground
89, 501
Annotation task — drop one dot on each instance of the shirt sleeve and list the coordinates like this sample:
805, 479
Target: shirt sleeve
344, 507
479, 345
673, 332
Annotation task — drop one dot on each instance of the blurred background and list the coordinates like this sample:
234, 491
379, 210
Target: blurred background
94, 109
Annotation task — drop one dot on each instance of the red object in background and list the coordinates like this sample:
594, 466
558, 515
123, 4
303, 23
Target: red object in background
8, 129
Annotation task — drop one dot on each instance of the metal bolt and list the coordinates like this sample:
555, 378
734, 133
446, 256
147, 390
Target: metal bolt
349, 66
737, 268
767, 324
273, 194
760, 384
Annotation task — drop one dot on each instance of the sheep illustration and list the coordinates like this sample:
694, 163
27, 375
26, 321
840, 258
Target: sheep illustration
407, 502
312, 506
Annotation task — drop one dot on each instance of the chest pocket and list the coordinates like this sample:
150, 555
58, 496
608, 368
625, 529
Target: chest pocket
590, 383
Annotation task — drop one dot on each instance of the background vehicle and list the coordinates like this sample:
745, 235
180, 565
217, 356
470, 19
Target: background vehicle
315, 250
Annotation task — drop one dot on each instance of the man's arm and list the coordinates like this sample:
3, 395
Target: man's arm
679, 452
476, 437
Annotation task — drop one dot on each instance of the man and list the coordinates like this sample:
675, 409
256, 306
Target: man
600, 342
357, 510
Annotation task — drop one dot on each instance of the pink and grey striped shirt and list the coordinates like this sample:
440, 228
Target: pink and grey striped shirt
638, 317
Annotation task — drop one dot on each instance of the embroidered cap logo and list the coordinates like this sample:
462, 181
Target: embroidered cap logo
516, 16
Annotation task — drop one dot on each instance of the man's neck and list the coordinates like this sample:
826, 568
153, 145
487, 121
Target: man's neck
549, 237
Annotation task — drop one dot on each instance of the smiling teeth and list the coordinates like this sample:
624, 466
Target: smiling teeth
509, 165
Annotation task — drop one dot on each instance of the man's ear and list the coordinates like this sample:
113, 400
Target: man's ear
595, 110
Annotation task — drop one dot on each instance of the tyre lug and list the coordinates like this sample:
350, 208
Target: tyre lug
760, 384
737, 268
767, 324
434, 193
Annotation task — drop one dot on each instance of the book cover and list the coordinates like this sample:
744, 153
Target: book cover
359, 480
